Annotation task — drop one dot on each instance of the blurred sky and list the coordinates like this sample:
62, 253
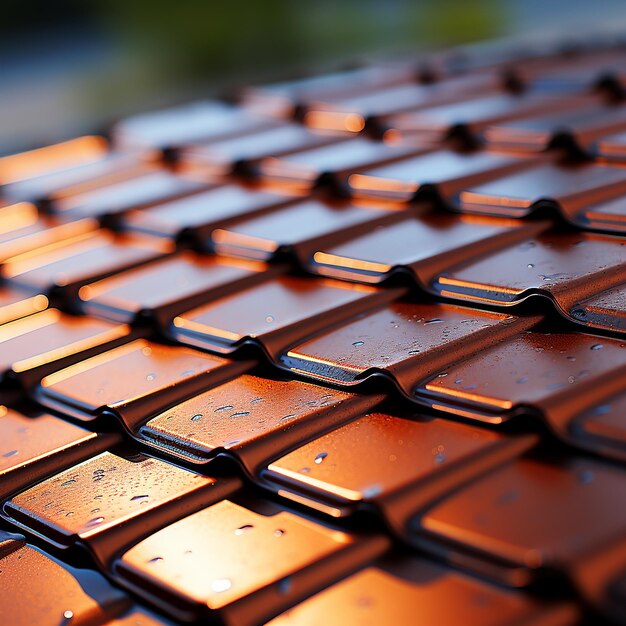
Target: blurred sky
72, 66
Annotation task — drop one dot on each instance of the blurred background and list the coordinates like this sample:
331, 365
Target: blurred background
70, 66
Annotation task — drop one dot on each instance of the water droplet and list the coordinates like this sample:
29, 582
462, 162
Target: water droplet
527, 245
226, 407
279, 532
151, 376
435, 320
548, 277
242, 529
287, 417
135, 498
522, 380
508, 497
530, 266
269, 319
320, 457
603, 409
442, 375
188, 373
9, 453
372, 491
221, 584
68, 482
68, 614
94, 521
156, 559
196, 417
241, 414
571, 358
356, 344
458, 381
305, 470
597, 346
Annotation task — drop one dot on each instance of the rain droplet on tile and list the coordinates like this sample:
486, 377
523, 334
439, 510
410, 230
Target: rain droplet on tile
241, 414
196, 417
243, 529
135, 498
68, 614
372, 491
68, 482
151, 376
603, 409
9, 453
285, 585
279, 532
156, 559
95, 521
522, 380
269, 319
305, 470
221, 584
597, 346
435, 320
287, 417
320, 457
356, 344
530, 266
508, 497
226, 407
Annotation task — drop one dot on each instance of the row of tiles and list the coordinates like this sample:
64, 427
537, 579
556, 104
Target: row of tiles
372, 590
142, 196
341, 333
476, 259
421, 475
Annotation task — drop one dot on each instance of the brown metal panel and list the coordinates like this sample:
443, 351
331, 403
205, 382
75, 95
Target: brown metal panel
111, 501
255, 419
398, 465
162, 376
38, 344
517, 517
407, 341
426, 244
37, 589
411, 590
164, 288
246, 565
276, 313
